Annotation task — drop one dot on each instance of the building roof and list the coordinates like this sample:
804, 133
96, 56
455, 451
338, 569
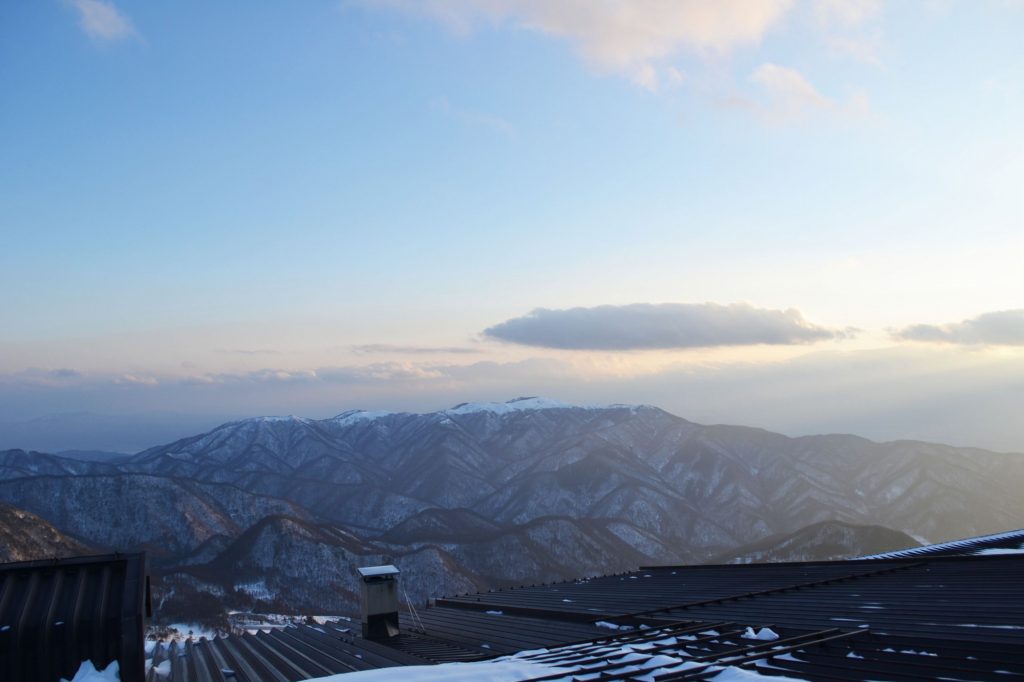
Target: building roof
378, 571
998, 543
960, 617
54, 614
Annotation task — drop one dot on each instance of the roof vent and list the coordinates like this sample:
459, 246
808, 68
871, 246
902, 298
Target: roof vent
380, 601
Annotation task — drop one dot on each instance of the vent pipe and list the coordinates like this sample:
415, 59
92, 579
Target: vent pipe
380, 601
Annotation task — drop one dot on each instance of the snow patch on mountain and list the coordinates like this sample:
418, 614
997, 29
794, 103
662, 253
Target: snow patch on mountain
525, 404
529, 404
354, 416
516, 405
272, 419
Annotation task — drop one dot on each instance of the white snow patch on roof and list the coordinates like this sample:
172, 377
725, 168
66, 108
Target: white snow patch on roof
765, 634
498, 670
377, 571
87, 672
612, 626
163, 669
732, 674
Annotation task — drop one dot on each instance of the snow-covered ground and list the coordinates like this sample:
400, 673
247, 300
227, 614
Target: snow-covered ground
185, 631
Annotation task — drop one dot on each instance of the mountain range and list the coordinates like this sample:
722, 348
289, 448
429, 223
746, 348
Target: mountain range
276, 512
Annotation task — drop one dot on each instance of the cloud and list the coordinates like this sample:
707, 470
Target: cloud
1000, 328
624, 37
789, 91
784, 95
136, 379
374, 348
102, 21
35, 376
788, 95
260, 376
249, 351
660, 326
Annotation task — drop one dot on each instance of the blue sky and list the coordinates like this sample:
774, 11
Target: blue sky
237, 208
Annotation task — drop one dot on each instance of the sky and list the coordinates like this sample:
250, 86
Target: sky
801, 215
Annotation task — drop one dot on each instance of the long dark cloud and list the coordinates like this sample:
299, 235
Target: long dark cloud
660, 326
999, 328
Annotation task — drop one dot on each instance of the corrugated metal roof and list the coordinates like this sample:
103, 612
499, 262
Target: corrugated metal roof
54, 614
954, 617
998, 543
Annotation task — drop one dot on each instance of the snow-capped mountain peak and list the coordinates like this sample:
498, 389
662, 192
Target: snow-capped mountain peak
523, 404
353, 416
515, 405
271, 419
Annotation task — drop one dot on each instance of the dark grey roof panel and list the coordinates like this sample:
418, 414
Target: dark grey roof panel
56, 613
960, 617
1011, 542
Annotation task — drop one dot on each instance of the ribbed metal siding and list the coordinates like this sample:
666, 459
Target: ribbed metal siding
55, 614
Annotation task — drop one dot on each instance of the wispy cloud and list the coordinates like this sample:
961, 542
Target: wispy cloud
35, 376
634, 38
136, 379
999, 328
249, 351
789, 93
660, 326
782, 95
383, 348
102, 21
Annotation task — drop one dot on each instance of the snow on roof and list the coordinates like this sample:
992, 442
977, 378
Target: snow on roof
88, 672
518, 667
377, 571
508, 670
1010, 542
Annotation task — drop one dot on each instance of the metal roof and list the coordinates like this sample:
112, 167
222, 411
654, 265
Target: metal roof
998, 543
959, 617
57, 613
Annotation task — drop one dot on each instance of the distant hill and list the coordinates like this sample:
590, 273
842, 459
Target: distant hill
490, 494
822, 541
26, 537
92, 455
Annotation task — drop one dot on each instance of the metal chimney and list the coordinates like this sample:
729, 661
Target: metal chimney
380, 601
